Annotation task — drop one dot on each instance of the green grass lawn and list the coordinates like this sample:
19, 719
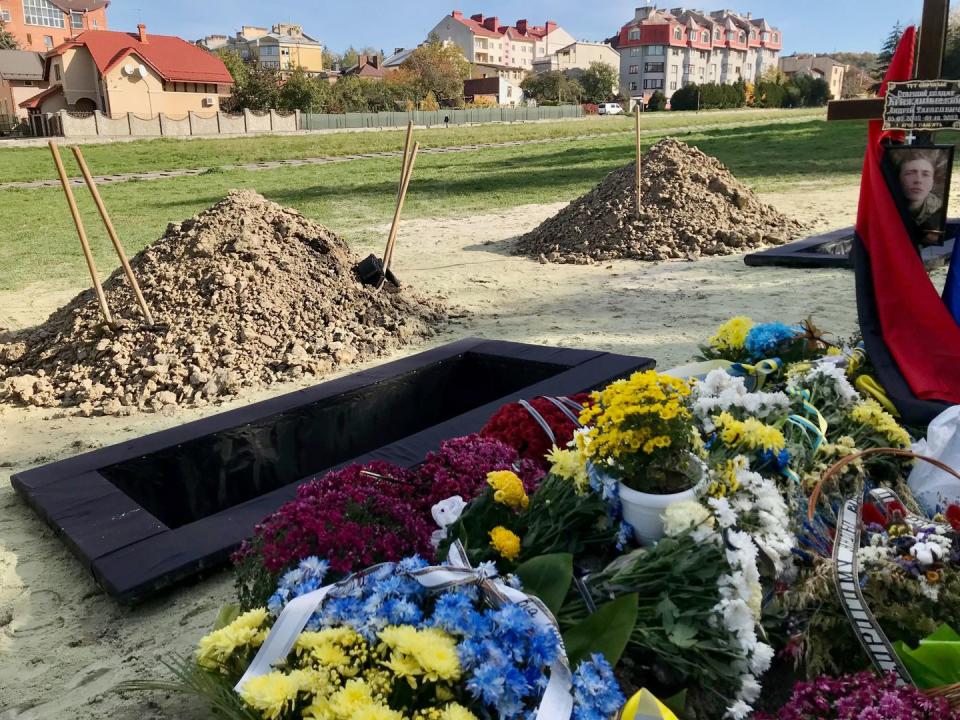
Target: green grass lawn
25, 164
39, 242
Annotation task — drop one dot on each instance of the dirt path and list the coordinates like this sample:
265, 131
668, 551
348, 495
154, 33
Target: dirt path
64, 645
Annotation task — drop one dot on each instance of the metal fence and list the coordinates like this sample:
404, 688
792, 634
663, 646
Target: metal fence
325, 121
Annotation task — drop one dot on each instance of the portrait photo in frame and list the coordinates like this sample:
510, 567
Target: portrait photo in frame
919, 179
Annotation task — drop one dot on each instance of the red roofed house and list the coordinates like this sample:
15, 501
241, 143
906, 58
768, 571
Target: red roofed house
41, 25
117, 73
485, 41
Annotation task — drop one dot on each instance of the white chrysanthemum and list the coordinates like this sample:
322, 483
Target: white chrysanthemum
761, 659
683, 516
724, 513
829, 374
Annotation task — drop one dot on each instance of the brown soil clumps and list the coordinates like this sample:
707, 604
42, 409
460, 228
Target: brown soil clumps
692, 206
247, 293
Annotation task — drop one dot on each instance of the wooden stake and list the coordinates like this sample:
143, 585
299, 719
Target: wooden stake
408, 143
78, 221
639, 175
111, 231
395, 227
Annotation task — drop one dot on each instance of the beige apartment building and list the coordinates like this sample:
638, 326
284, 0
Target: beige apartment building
818, 66
117, 73
283, 47
575, 59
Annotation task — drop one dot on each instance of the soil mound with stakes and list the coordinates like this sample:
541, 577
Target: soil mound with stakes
692, 206
247, 293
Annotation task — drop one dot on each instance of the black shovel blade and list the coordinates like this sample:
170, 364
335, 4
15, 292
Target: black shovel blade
370, 272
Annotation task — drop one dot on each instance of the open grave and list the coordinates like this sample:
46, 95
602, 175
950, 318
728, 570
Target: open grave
833, 250
148, 513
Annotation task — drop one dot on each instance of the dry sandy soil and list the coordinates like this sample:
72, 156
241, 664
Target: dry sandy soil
64, 644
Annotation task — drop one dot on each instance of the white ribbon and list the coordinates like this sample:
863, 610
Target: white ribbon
557, 700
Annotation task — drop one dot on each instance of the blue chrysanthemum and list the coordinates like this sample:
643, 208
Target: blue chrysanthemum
764, 339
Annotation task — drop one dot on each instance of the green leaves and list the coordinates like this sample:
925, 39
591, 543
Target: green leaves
228, 613
548, 577
936, 661
607, 631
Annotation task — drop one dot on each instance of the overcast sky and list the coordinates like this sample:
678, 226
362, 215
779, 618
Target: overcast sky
807, 25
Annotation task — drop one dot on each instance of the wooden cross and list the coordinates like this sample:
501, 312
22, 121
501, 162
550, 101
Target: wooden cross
933, 46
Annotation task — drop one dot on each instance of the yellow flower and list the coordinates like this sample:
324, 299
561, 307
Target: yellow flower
871, 414
455, 711
429, 653
271, 694
375, 712
508, 489
505, 542
661, 441
218, 646
749, 433
354, 696
732, 334
328, 647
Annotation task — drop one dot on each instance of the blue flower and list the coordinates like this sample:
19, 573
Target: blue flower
314, 567
624, 535
764, 339
487, 683
596, 694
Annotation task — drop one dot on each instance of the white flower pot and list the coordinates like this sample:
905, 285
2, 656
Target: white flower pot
644, 511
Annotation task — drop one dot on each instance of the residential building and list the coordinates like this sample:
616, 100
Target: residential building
368, 66
499, 89
393, 62
485, 41
818, 66
117, 73
667, 49
21, 76
575, 58
41, 25
283, 47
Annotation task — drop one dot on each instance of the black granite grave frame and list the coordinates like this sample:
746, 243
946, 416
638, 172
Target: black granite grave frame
133, 555
801, 254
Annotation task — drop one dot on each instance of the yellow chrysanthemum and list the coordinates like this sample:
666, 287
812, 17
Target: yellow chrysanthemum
349, 700
455, 711
505, 542
871, 414
215, 648
272, 694
375, 712
329, 647
427, 653
654, 443
732, 334
570, 465
508, 489
750, 433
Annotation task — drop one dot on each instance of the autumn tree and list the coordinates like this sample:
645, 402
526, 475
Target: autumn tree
439, 69
552, 88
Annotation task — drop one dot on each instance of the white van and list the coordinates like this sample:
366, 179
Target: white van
609, 109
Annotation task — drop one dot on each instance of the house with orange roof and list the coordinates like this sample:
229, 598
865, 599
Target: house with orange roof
117, 73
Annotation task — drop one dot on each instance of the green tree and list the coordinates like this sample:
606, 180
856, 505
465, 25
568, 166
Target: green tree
7, 40
260, 91
599, 81
348, 95
552, 88
439, 69
657, 102
885, 56
330, 58
301, 92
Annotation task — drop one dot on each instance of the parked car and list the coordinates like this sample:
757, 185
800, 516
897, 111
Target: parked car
610, 109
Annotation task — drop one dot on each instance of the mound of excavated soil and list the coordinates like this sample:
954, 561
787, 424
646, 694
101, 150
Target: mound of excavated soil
692, 206
245, 294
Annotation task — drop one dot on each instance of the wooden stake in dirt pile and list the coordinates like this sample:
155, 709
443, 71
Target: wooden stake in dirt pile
690, 205
247, 293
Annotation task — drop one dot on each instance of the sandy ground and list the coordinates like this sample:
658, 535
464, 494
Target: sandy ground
64, 644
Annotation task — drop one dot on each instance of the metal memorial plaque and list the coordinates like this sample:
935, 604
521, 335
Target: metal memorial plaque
922, 105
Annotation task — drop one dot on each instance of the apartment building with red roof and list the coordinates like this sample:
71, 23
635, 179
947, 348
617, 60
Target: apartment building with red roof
41, 25
487, 41
117, 73
667, 49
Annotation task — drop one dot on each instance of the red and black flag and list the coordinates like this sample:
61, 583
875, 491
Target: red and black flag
912, 339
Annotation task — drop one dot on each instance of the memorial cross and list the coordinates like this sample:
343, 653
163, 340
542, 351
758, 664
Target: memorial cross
933, 46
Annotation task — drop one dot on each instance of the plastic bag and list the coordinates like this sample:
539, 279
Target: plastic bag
934, 488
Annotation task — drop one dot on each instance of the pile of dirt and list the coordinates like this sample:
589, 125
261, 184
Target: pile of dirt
692, 206
247, 293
